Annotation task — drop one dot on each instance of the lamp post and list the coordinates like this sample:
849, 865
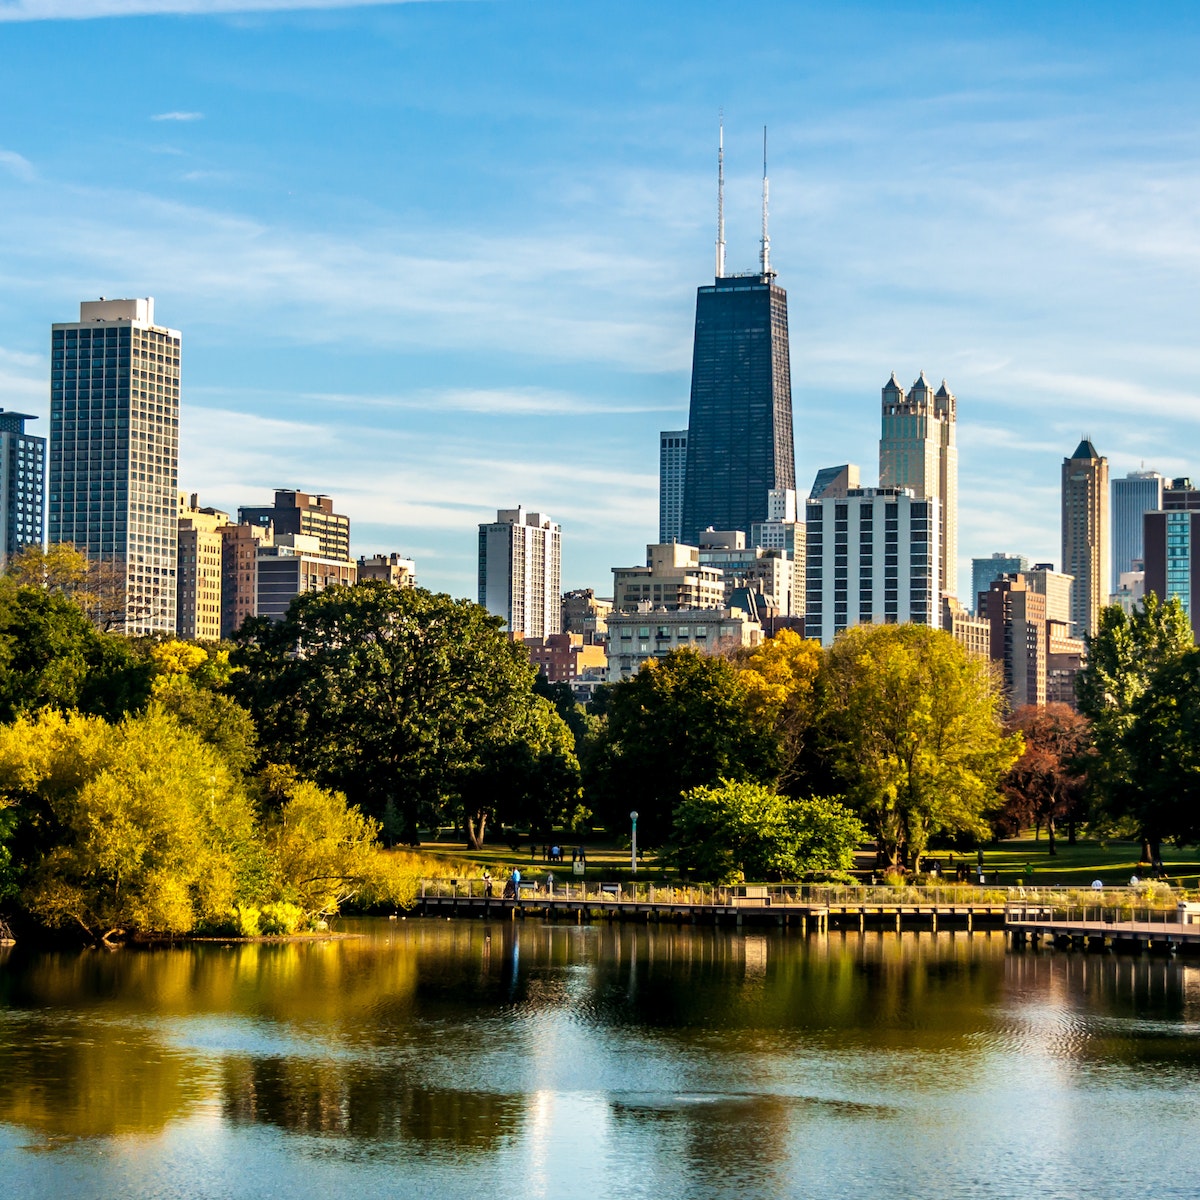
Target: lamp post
633, 842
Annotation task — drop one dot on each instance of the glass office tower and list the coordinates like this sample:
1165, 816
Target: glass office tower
739, 445
22, 492
114, 452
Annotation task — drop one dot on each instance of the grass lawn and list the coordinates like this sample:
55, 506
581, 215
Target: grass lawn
1113, 862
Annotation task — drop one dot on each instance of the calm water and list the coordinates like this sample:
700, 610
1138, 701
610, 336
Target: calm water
439, 1059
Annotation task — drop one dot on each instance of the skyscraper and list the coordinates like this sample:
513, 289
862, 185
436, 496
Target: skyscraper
984, 570
22, 485
114, 451
872, 559
740, 415
1138, 493
1085, 544
1172, 548
672, 470
520, 569
918, 449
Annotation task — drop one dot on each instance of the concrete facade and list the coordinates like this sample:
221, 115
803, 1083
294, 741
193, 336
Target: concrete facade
198, 582
520, 571
114, 452
295, 565
637, 637
388, 568
672, 578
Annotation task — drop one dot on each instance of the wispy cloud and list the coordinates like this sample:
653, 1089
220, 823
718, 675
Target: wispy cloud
78, 10
18, 165
178, 116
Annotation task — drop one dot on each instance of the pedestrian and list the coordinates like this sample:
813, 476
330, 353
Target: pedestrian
487, 885
550, 882
516, 884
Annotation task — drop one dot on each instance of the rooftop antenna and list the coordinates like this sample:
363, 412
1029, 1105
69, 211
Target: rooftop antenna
765, 255
721, 197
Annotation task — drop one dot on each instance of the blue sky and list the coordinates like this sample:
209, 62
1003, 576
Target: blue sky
439, 258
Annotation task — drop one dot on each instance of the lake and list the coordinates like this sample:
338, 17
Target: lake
439, 1059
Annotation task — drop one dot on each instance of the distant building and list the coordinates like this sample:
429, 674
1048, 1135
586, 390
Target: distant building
766, 571
114, 451
672, 471
198, 582
388, 568
1179, 494
973, 633
1085, 535
1131, 589
672, 578
1017, 616
292, 566
305, 515
585, 613
872, 559
1172, 547
520, 568
783, 531
1138, 493
636, 637
835, 483
565, 657
984, 570
240, 545
22, 486
918, 449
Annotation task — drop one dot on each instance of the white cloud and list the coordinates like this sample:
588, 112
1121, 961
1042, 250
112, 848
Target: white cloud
178, 116
18, 165
78, 10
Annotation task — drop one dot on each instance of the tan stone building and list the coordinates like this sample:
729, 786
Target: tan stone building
636, 637
672, 578
1085, 535
198, 578
973, 633
388, 568
918, 449
585, 613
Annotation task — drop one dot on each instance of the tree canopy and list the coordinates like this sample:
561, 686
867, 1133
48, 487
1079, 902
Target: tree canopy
683, 721
912, 725
401, 699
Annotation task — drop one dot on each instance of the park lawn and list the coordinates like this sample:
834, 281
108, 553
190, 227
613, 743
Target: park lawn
605, 861
1112, 862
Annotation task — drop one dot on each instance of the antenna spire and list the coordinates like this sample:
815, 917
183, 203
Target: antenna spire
721, 197
765, 254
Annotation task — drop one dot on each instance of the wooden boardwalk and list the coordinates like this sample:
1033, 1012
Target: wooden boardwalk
1098, 931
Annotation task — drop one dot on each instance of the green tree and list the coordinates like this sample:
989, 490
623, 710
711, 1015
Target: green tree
1163, 754
383, 694
138, 827
683, 721
912, 726
51, 655
1124, 656
749, 831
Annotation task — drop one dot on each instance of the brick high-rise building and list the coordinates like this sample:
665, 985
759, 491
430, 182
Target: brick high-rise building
198, 583
306, 515
1017, 615
239, 573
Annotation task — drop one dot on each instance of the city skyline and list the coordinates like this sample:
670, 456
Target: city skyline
497, 307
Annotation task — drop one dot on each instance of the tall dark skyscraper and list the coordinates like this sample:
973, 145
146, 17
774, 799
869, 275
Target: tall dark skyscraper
740, 419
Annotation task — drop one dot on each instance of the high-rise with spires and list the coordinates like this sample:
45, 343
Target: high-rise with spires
739, 439
1085, 540
918, 449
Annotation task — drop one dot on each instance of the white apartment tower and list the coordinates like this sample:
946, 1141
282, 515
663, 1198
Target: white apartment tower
918, 449
872, 560
520, 571
114, 451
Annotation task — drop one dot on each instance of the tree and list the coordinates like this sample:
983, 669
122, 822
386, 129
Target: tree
683, 721
97, 585
384, 694
781, 676
322, 852
1047, 783
1163, 754
51, 655
911, 724
1124, 656
743, 830
135, 827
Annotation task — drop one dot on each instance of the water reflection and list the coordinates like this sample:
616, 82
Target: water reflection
549, 1049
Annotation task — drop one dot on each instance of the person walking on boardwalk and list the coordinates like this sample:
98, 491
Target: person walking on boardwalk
516, 884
